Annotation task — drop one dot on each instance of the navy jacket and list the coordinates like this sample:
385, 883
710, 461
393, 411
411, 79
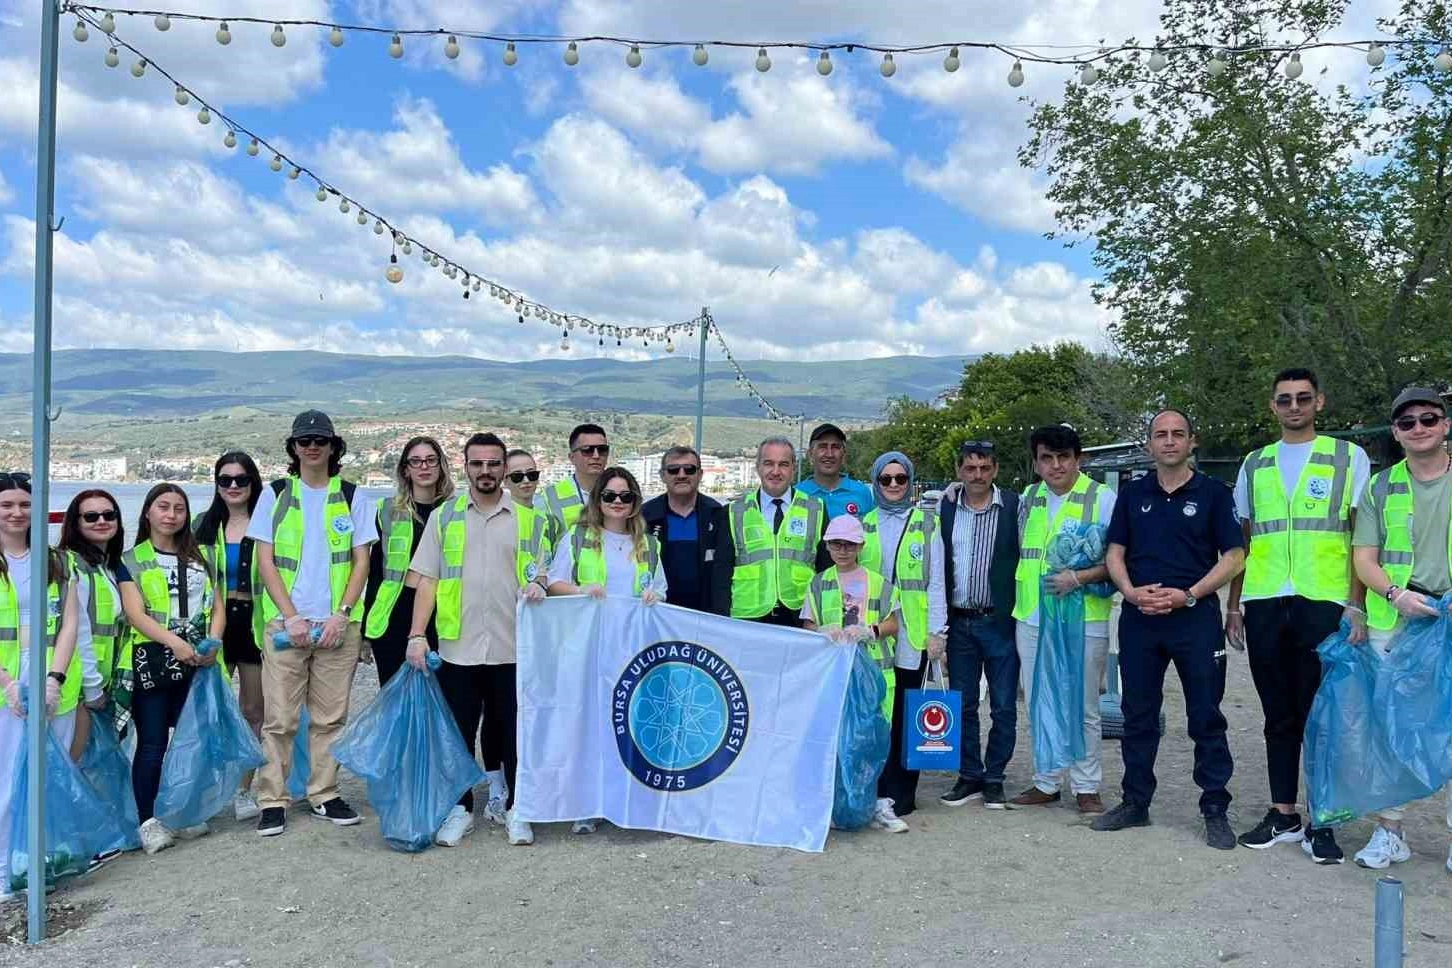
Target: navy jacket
715, 557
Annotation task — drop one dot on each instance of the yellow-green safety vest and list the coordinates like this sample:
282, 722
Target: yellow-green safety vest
824, 597
773, 567
395, 530
287, 544
1393, 489
589, 560
103, 611
10, 644
1304, 539
253, 587
1080, 504
452, 524
564, 504
913, 566
141, 562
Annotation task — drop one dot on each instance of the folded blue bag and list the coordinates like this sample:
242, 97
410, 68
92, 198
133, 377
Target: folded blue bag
863, 740
106, 767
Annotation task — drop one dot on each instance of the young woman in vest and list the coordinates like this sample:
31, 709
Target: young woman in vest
854, 605
222, 529
63, 681
166, 588
425, 481
91, 538
608, 552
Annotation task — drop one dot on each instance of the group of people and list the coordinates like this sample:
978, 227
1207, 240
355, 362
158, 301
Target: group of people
305, 577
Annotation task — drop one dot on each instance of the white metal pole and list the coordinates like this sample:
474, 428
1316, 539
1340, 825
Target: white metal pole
701, 379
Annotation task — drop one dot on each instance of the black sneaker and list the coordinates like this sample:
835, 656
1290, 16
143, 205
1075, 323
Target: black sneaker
1275, 828
993, 797
962, 792
1125, 815
1320, 845
272, 822
338, 811
1218, 833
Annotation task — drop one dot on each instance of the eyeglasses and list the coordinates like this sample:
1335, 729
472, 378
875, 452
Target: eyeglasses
1301, 400
682, 470
617, 497
835, 545
312, 441
91, 517
519, 477
422, 462
479, 464
888, 480
233, 480
594, 450
1426, 419
975, 447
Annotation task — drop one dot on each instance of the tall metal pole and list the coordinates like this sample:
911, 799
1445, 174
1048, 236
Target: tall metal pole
701, 379
40, 476
1387, 936
801, 446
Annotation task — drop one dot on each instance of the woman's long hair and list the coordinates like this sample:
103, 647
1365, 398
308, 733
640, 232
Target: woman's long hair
215, 518
71, 538
594, 517
187, 548
403, 501
57, 563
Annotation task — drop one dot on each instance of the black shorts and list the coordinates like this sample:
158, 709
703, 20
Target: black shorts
238, 644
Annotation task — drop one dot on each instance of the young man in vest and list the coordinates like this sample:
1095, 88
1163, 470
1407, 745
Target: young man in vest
776, 532
1296, 501
1403, 554
829, 483
479, 554
1063, 496
311, 531
564, 501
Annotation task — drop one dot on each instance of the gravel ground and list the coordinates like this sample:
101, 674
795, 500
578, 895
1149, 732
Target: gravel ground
1023, 887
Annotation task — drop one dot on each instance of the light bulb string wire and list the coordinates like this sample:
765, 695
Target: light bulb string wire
1027, 53
745, 381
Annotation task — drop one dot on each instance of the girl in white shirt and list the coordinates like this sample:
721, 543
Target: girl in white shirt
91, 538
608, 551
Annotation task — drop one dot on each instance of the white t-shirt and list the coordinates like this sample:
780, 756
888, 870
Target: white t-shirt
619, 566
19, 571
312, 593
196, 585
85, 645
1290, 461
1106, 511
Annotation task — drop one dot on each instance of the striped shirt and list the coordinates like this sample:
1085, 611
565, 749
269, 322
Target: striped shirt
974, 533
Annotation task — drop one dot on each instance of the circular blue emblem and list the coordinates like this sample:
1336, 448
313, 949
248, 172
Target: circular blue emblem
680, 716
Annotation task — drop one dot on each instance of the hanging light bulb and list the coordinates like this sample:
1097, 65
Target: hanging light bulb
889, 66
343, 205
824, 64
670, 347
395, 47
1443, 61
1088, 75
108, 22
362, 217
952, 62
253, 148
81, 33
224, 36
279, 39
230, 138
322, 194
112, 58
335, 37
276, 163
407, 247
1015, 75
182, 97
163, 22
138, 68
1294, 67
565, 343
294, 173
1375, 55
204, 116
395, 271
1158, 61
378, 227
700, 56
572, 54
511, 56
434, 260
763, 63
633, 58
1216, 67
451, 47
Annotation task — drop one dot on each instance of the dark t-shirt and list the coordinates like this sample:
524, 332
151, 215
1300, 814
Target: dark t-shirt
1174, 539
680, 558
375, 553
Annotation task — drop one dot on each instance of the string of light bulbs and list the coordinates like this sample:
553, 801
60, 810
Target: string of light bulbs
1087, 59
743, 382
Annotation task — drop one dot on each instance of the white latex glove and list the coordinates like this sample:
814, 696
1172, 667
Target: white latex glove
12, 698
52, 695
857, 633
417, 654
937, 648
299, 630
532, 593
333, 631
1357, 618
649, 597
1413, 605
594, 591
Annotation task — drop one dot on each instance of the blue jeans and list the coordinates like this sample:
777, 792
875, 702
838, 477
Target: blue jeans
976, 646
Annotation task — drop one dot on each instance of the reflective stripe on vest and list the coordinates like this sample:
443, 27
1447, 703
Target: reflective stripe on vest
151, 580
589, 561
10, 644
395, 530
103, 612
1080, 504
287, 543
824, 597
1393, 489
452, 524
911, 569
564, 503
1304, 539
773, 567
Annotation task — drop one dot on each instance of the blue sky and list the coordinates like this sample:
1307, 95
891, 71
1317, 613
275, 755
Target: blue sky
892, 211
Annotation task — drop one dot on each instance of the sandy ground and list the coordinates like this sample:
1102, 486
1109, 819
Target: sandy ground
1024, 887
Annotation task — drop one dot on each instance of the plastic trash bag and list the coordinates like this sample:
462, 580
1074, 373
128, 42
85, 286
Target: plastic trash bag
78, 825
408, 749
1415, 690
302, 769
1351, 768
863, 740
211, 749
107, 768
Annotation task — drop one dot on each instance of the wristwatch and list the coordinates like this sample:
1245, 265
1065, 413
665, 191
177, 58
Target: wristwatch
1392, 591
1190, 599
59, 677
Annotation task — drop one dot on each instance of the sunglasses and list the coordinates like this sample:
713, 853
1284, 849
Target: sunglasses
1301, 400
233, 480
617, 497
975, 447
519, 477
479, 464
681, 470
91, 517
1425, 419
422, 462
312, 441
888, 480
594, 450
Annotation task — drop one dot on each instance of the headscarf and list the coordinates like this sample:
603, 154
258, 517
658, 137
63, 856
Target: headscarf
893, 457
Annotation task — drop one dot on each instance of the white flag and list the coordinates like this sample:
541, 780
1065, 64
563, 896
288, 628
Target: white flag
662, 718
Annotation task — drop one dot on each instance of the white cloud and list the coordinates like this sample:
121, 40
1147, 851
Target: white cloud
6, 195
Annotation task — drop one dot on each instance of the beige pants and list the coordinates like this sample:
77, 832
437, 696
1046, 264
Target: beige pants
1087, 774
1381, 640
323, 680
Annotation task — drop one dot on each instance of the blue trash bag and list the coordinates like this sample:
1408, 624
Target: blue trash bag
863, 740
78, 825
107, 768
1351, 768
211, 749
408, 749
1415, 694
302, 769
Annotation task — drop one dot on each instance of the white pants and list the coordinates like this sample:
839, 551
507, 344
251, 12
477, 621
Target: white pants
1087, 774
1381, 639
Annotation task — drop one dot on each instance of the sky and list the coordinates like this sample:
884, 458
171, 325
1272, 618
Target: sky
819, 218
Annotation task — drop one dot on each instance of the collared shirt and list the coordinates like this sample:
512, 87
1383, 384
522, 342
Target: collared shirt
848, 497
974, 534
491, 587
1174, 538
768, 509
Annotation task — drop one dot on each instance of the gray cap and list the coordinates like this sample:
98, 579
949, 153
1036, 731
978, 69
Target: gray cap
1413, 395
312, 423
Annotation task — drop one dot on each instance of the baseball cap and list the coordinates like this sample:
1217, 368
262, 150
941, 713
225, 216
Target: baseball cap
844, 527
1413, 395
312, 423
827, 430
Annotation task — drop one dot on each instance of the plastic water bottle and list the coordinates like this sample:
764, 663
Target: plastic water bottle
281, 641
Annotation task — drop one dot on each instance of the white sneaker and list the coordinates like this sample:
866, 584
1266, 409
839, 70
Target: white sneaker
245, 808
883, 818
520, 833
584, 826
1385, 848
456, 825
155, 837
494, 810
192, 833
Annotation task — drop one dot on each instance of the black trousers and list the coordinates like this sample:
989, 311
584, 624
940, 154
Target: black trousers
390, 649
484, 694
898, 784
782, 615
1281, 636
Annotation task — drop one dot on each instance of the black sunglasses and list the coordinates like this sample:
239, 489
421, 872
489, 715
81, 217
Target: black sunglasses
678, 470
91, 517
233, 480
1409, 421
975, 447
594, 450
617, 497
312, 441
479, 464
519, 477
1300, 399
887, 480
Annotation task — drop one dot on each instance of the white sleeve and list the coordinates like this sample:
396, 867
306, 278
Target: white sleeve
1360, 473
365, 524
91, 680
1242, 496
937, 585
562, 565
658, 581
259, 528
1107, 499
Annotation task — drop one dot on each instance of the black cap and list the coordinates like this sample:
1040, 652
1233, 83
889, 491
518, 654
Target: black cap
1413, 395
312, 423
827, 430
